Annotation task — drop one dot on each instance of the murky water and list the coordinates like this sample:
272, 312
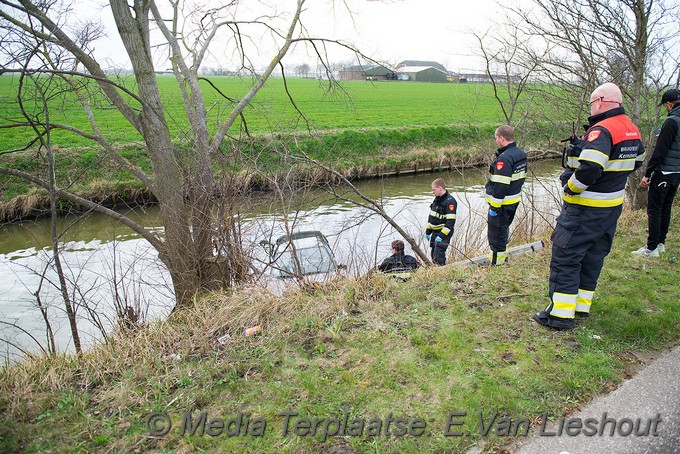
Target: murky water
109, 262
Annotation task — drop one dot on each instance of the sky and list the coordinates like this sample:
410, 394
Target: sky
386, 30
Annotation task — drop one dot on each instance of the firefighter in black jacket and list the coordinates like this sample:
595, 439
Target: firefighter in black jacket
398, 261
441, 221
593, 199
503, 189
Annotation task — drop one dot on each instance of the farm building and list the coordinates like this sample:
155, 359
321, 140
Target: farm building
366, 72
421, 74
483, 77
434, 64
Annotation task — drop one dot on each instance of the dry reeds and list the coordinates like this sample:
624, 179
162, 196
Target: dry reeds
193, 333
24, 206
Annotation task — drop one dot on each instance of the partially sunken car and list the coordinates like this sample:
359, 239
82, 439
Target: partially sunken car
301, 254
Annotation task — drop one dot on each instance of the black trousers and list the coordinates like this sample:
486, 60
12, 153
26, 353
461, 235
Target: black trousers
439, 252
499, 227
662, 190
582, 239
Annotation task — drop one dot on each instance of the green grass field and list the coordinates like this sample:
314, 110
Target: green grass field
362, 104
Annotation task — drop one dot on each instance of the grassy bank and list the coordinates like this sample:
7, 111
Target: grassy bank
448, 340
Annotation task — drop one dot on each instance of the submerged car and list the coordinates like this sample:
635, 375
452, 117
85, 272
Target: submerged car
300, 254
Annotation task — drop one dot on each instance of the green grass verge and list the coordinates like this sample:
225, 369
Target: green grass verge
448, 340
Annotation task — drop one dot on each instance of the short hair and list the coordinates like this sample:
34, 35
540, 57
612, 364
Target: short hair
506, 132
439, 182
398, 245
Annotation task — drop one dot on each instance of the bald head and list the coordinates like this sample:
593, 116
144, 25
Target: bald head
605, 97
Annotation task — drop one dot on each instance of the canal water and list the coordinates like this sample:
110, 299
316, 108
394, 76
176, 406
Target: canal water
110, 263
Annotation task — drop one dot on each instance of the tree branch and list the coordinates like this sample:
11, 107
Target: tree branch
156, 242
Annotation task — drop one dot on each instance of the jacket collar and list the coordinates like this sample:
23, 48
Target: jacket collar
501, 150
675, 111
607, 114
443, 196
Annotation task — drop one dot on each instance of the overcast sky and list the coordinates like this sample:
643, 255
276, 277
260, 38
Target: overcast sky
387, 30
396, 30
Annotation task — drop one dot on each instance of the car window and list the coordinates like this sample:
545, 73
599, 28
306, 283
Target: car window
313, 259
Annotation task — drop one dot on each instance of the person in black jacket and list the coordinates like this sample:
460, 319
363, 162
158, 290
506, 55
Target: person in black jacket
398, 261
507, 175
441, 221
662, 177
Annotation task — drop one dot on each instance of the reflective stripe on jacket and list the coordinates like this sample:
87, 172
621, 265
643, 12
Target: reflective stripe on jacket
611, 151
508, 173
442, 218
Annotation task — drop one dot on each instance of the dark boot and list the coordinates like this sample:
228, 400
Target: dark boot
544, 318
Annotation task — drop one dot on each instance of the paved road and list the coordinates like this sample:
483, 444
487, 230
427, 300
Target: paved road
655, 390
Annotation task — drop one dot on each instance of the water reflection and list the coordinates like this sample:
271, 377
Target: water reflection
109, 261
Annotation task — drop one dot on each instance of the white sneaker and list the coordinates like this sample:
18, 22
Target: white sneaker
646, 252
661, 247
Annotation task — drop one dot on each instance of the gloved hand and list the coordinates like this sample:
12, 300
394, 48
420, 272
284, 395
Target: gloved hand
567, 190
493, 213
427, 237
438, 239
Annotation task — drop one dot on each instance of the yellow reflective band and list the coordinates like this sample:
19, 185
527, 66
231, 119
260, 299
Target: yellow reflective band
585, 294
569, 298
511, 200
572, 162
584, 300
563, 313
434, 214
576, 200
582, 305
519, 175
596, 199
507, 200
501, 257
449, 216
437, 227
446, 231
620, 165
575, 185
594, 156
641, 157
500, 179
564, 305
494, 202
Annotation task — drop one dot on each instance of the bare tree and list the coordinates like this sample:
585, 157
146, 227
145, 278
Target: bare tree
302, 70
511, 65
577, 45
39, 93
590, 42
182, 178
